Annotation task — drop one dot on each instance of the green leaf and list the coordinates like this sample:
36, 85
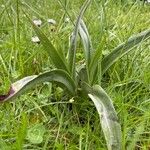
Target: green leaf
21, 134
35, 134
108, 116
72, 49
123, 48
26, 83
86, 42
87, 45
95, 64
58, 60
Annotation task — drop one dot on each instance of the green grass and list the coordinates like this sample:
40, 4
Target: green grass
59, 123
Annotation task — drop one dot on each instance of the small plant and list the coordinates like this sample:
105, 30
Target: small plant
85, 79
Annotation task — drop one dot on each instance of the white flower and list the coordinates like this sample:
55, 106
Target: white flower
71, 100
67, 20
35, 39
51, 21
12, 57
37, 22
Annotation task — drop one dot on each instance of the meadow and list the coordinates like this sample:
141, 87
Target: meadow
45, 117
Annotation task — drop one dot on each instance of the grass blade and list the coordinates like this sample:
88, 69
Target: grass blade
26, 83
108, 116
123, 48
72, 49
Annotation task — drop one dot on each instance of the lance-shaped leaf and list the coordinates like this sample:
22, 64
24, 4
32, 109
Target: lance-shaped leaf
88, 49
95, 63
123, 48
108, 116
87, 45
58, 60
26, 83
72, 49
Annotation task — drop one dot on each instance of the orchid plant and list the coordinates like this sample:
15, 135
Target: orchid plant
85, 78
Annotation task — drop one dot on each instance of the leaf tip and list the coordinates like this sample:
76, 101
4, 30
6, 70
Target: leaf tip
10, 92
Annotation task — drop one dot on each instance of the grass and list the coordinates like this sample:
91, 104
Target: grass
44, 119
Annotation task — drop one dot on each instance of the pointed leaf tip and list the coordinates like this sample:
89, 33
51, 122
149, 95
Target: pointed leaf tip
16, 87
10, 92
21, 86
